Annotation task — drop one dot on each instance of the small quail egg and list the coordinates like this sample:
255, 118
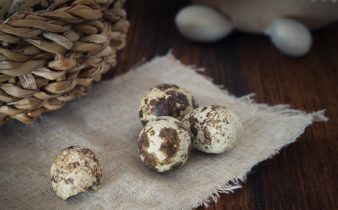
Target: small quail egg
214, 128
166, 100
164, 144
75, 169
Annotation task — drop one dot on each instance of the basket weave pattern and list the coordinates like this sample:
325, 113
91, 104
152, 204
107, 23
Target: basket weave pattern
53, 56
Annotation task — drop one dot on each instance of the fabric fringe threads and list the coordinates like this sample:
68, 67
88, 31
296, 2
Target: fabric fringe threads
235, 183
282, 109
53, 56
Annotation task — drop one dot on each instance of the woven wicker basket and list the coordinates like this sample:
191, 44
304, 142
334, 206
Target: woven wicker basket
52, 56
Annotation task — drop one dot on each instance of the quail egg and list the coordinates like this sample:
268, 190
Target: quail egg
166, 100
164, 144
75, 169
214, 128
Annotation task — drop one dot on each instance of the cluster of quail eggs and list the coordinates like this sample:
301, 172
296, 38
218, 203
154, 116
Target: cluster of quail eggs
173, 124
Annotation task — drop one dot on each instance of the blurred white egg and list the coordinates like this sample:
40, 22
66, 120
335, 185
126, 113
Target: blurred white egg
202, 23
290, 36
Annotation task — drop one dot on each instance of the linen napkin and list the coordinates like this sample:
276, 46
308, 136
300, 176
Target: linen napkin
107, 122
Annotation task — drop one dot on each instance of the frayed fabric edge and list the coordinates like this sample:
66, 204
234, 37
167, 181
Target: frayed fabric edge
317, 116
236, 183
284, 109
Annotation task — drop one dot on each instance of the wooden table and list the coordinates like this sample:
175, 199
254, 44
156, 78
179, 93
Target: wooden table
305, 174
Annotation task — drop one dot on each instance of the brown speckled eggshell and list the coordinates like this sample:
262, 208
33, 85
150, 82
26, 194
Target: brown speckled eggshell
214, 128
164, 144
75, 169
166, 100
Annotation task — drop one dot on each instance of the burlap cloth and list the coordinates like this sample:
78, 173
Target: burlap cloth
107, 122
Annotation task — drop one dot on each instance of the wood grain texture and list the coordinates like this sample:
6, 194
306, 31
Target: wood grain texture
305, 174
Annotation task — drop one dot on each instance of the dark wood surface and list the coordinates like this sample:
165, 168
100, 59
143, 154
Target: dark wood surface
305, 174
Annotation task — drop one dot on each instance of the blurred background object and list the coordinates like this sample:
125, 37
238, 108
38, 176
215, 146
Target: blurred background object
286, 22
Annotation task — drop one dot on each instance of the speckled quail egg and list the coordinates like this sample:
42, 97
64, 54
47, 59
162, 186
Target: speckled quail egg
214, 128
166, 100
75, 169
164, 144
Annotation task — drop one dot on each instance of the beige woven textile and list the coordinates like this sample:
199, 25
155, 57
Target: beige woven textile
107, 122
